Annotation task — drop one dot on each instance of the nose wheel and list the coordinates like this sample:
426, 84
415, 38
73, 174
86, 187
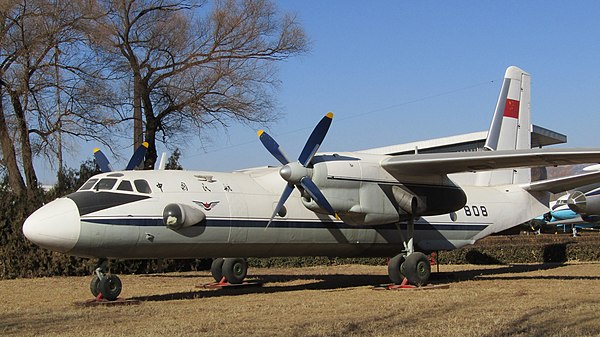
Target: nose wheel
105, 286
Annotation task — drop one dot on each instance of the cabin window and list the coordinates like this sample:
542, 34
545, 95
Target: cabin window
125, 185
105, 184
142, 186
88, 184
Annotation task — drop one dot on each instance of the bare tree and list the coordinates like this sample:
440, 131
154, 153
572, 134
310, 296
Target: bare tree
32, 35
193, 66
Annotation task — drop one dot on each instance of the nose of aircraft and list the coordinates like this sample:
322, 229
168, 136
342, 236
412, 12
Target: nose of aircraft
55, 226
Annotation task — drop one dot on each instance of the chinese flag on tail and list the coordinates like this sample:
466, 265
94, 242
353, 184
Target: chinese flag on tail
511, 108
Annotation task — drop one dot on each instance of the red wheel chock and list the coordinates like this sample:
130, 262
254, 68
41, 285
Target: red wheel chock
225, 284
403, 285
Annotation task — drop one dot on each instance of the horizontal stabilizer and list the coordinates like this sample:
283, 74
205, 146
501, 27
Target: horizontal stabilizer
456, 162
564, 183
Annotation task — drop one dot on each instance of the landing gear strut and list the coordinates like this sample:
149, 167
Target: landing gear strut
414, 266
233, 270
107, 285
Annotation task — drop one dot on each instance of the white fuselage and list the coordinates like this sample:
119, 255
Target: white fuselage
115, 222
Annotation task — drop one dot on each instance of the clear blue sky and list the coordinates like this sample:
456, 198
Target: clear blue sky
401, 71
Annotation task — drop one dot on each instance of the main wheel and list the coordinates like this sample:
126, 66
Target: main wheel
417, 268
234, 270
216, 269
110, 287
394, 268
95, 285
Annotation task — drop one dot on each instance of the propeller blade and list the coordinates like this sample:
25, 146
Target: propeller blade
137, 157
284, 196
316, 194
314, 141
291, 171
272, 147
102, 161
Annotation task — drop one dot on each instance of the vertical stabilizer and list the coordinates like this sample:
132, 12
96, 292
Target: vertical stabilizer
511, 126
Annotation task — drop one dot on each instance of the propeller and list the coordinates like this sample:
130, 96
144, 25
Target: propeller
296, 173
102, 161
135, 160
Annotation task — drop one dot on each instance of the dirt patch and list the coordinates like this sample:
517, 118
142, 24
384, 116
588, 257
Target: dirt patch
520, 300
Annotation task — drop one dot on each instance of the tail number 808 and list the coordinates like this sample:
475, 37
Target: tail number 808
476, 211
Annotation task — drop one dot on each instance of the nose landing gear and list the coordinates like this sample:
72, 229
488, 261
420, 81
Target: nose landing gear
105, 286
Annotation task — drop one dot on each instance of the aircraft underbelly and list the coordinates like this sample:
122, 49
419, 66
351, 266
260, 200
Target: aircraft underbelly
283, 238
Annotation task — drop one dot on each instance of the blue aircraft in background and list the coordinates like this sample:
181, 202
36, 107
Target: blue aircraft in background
577, 210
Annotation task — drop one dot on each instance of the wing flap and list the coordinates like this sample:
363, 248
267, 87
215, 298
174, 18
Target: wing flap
456, 162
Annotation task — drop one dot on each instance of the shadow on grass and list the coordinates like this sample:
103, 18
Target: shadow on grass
473, 274
276, 283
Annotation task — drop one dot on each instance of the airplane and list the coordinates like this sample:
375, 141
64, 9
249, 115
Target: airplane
337, 204
579, 209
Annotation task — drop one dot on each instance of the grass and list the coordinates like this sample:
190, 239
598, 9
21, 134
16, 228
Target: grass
521, 300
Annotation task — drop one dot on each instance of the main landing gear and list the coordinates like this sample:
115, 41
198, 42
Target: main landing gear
230, 270
105, 286
414, 266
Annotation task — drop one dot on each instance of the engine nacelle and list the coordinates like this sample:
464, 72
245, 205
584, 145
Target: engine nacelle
363, 193
582, 204
408, 201
177, 216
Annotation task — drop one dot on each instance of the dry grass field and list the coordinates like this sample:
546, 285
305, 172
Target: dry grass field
521, 300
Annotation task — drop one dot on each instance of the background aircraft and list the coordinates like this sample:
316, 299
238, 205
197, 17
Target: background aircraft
579, 209
322, 204
575, 210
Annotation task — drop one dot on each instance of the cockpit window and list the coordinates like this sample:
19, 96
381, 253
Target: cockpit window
125, 185
142, 186
105, 184
559, 203
88, 184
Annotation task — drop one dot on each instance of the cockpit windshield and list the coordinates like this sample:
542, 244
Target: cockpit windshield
105, 184
559, 202
88, 184
125, 185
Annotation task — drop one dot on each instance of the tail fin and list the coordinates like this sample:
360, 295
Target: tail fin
511, 126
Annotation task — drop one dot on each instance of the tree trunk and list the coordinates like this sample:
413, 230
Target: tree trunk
138, 132
26, 154
151, 154
152, 124
15, 180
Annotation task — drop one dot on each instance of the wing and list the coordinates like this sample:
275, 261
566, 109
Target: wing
564, 183
456, 162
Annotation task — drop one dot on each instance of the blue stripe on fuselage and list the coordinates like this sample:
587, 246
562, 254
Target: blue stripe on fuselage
247, 223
